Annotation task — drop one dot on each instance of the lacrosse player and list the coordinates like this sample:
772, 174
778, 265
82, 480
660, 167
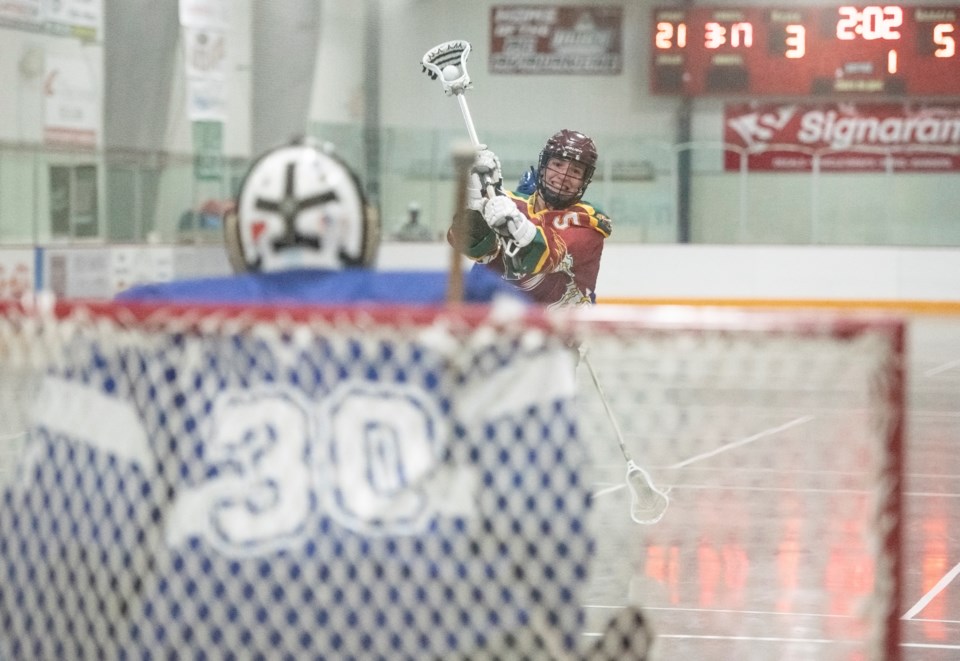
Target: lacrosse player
547, 242
304, 233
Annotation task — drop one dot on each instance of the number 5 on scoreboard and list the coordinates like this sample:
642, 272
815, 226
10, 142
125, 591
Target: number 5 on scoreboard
943, 37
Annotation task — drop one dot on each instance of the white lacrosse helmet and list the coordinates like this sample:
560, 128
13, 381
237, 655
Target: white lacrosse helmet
300, 206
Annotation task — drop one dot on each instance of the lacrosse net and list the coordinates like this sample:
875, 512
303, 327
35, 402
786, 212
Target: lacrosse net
447, 62
777, 438
424, 483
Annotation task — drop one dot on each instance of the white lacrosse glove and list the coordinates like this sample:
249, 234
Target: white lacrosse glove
475, 193
506, 220
487, 166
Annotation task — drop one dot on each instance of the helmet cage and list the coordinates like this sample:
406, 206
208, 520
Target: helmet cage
568, 146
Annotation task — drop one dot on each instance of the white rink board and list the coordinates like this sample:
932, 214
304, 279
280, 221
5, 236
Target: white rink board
627, 271
750, 272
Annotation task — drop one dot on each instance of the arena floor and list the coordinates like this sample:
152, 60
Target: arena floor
737, 568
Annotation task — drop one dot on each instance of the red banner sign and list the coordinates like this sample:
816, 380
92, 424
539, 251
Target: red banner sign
554, 39
843, 137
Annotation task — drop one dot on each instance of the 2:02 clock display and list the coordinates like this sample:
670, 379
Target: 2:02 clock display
872, 50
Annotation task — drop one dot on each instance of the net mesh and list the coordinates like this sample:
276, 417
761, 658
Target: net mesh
778, 439
413, 483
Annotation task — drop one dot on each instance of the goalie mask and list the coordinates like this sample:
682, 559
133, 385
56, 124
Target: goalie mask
569, 146
300, 206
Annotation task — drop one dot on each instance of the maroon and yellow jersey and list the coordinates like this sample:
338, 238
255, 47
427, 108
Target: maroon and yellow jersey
560, 266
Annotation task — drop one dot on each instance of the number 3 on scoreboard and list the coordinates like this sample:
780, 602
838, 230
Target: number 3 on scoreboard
796, 41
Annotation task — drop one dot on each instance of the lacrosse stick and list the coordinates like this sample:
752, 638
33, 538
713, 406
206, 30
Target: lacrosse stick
647, 502
462, 160
447, 62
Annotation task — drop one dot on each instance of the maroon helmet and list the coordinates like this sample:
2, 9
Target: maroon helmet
570, 146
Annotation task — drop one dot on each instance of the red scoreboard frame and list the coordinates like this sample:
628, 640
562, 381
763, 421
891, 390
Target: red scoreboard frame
869, 50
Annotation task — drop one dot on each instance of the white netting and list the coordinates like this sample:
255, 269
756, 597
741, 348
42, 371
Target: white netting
421, 483
777, 438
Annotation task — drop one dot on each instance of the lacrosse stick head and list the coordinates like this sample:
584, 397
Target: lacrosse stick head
447, 62
647, 502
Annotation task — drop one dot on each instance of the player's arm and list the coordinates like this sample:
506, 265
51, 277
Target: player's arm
471, 235
528, 259
469, 232
523, 243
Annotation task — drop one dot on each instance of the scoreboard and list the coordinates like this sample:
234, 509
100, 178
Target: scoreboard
871, 50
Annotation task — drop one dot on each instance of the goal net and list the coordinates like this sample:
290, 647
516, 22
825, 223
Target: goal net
215, 482
777, 439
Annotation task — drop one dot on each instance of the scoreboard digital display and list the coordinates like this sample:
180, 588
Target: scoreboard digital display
872, 50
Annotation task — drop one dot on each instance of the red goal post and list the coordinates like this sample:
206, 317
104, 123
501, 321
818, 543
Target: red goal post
437, 481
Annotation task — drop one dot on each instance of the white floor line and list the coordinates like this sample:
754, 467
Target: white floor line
931, 646
784, 470
942, 368
932, 414
934, 591
930, 619
725, 610
733, 487
743, 441
930, 494
604, 492
742, 611
762, 639
772, 639
819, 641
740, 487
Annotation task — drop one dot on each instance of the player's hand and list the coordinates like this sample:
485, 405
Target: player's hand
499, 211
504, 218
474, 192
486, 165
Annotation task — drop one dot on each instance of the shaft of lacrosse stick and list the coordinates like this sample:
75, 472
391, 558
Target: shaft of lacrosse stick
462, 160
606, 407
467, 119
488, 188
647, 502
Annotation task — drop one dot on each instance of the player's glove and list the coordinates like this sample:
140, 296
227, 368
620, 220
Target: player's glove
486, 163
486, 166
475, 193
506, 220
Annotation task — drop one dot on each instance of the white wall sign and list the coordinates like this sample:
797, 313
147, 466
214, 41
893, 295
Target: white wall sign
132, 265
548, 39
205, 53
16, 273
204, 14
206, 100
71, 102
84, 15
20, 12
